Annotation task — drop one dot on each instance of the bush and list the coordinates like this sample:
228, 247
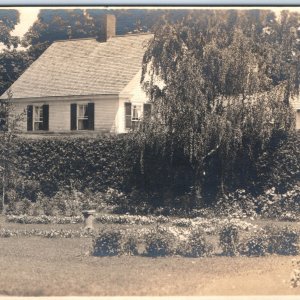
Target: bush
27, 188
159, 242
237, 204
229, 239
182, 222
283, 241
130, 244
23, 207
196, 245
256, 245
279, 167
12, 198
285, 207
108, 243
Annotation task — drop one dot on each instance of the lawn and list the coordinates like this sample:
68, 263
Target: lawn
36, 266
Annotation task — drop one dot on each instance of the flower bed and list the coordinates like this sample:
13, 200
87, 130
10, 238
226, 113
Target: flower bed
209, 226
7, 233
103, 219
25, 219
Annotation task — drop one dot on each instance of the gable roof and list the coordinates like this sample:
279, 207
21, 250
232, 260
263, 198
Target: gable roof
83, 67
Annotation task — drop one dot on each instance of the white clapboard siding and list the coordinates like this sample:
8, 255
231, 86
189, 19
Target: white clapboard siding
106, 108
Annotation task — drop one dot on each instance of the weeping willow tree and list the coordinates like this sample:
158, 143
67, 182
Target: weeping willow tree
220, 84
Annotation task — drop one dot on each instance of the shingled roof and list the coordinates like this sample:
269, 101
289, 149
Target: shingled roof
83, 67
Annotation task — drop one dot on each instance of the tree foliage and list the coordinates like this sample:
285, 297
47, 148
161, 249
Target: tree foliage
13, 63
220, 84
63, 24
8, 19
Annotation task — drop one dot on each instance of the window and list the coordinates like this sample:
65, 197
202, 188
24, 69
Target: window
134, 113
82, 116
37, 117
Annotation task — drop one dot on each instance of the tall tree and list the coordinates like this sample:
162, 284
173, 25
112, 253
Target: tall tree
216, 101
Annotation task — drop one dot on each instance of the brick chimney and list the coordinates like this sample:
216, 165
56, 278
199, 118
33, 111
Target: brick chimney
108, 28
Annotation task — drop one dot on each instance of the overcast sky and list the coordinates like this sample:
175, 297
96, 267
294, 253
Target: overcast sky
29, 14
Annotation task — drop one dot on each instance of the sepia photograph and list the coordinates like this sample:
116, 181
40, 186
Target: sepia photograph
149, 151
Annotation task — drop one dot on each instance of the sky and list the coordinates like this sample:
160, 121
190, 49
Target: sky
27, 17
29, 14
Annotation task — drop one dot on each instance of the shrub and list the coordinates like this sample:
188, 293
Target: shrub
12, 198
159, 242
238, 204
283, 241
182, 222
108, 243
256, 245
130, 244
285, 207
281, 168
31, 189
229, 239
196, 245
23, 207
162, 219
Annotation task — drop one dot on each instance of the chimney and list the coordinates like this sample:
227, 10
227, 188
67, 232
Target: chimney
108, 28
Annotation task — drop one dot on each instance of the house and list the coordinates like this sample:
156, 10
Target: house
85, 85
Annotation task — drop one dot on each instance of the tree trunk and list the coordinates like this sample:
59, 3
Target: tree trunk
3, 191
222, 182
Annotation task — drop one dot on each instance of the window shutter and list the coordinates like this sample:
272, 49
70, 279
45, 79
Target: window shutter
3, 120
29, 117
128, 123
2, 124
46, 117
73, 116
147, 110
91, 115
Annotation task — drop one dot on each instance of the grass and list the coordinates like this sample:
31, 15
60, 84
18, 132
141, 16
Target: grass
33, 266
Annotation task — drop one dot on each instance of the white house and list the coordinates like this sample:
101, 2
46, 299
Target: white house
85, 85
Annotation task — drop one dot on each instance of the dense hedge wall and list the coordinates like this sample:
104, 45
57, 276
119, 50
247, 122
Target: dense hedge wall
51, 164
76, 162
99, 163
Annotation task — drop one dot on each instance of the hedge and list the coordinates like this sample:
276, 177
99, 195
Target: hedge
77, 162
